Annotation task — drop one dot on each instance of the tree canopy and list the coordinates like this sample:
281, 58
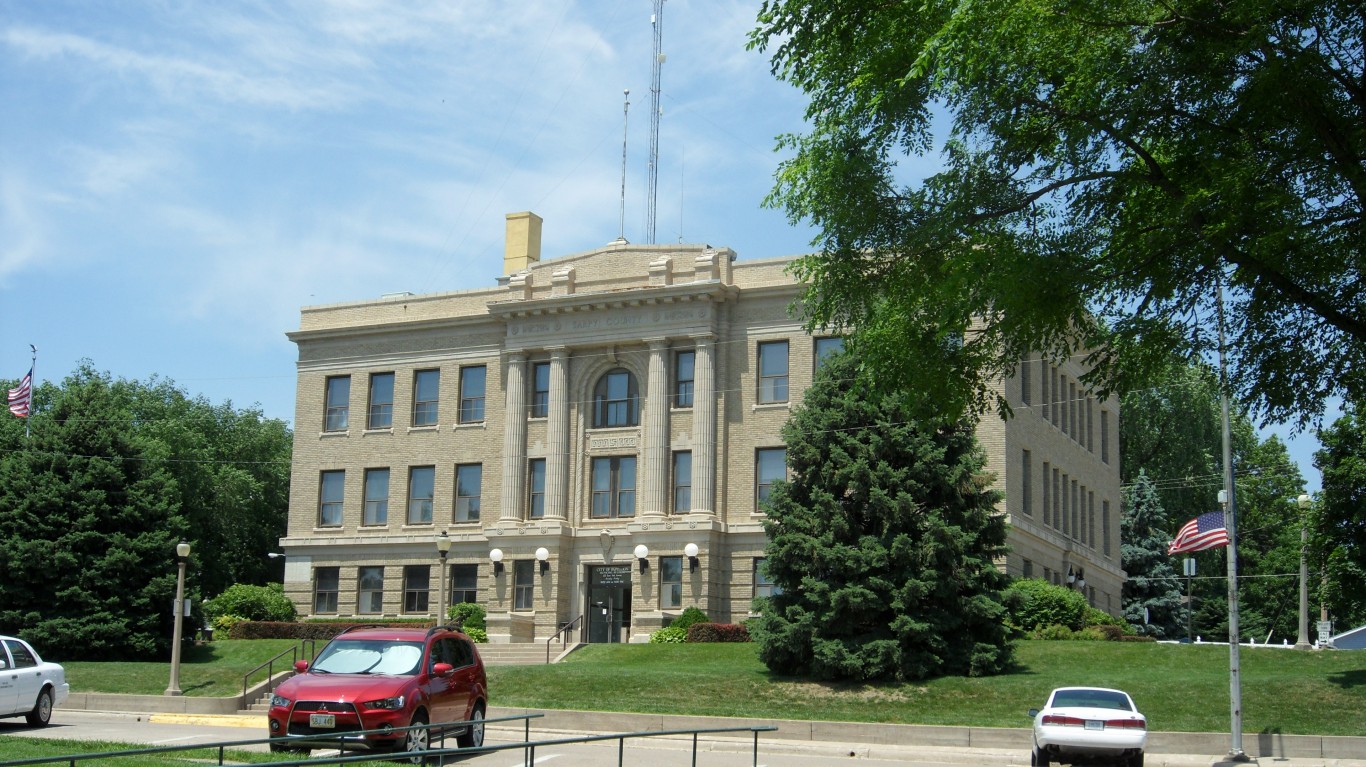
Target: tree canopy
1106, 167
93, 502
1339, 517
882, 544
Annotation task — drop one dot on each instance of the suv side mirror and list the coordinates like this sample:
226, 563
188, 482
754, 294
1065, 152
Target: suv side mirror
443, 669
301, 666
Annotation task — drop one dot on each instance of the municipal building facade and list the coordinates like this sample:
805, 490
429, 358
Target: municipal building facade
593, 435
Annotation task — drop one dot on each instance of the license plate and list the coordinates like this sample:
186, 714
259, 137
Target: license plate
1095, 724
329, 721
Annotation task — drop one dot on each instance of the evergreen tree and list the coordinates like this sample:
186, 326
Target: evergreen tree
882, 543
1153, 583
1339, 517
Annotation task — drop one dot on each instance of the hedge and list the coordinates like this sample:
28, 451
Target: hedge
311, 629
717, 632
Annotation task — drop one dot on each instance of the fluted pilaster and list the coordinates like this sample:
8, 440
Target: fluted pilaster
557, 434
704, 428
656, 433
514, 440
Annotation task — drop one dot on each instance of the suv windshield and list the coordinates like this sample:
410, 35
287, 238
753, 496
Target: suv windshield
369, 656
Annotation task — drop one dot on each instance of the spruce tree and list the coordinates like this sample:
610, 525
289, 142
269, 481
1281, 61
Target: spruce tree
1153, 582
882, 543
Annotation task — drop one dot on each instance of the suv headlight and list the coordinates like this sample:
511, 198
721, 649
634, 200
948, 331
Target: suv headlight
279, 701
389, 704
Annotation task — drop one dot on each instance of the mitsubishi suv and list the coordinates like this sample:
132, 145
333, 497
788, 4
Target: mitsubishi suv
377, 678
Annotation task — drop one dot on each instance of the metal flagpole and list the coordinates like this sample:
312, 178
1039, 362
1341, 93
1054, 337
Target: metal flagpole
32, 388
1235, 752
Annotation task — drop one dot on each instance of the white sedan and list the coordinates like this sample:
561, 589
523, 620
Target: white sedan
1088, 725
29, 686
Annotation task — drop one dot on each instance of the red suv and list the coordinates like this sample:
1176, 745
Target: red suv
376, 678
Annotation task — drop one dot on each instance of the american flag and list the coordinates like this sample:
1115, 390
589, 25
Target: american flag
21, 396
1206, 531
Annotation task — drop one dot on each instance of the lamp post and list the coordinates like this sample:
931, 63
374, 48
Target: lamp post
182, 553
1302, 641
443, 548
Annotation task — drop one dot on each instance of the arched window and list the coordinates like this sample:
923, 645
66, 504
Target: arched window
616, 400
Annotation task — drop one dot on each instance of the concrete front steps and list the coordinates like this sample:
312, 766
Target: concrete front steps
519, 654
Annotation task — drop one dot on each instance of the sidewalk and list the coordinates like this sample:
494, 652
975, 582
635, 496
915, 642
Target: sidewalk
920, 743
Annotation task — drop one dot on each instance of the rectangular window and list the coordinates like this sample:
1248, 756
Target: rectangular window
376, 497
472, 381
421, 493
417, 588
1057, 500
536, 498
1105, 525
770, 465
331, 492
682, 481
1062, 404
670, 582
469, 483
1026, 395
540, 390
1066, 508
1026, 483
1090, 422
381, 412
763, 585
426, 397
1074, 422
1091, 517
826, 348
1047, 494
1027, 569
1044, 391
464, 584
1053, 373
1048, 575
614, 487
1104, 436
326, 587
523, 583
370, 590
772, 372
338, 404
684, 363
1076, 511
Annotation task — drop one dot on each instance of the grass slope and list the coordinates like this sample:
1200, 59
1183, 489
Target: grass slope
1181, 688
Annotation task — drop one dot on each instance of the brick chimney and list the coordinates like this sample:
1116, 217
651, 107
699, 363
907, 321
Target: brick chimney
523, 247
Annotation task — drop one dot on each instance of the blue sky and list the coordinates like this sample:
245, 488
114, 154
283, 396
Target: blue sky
177, 180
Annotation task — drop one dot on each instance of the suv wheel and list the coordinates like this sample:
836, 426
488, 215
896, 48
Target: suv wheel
416, 740
474, 736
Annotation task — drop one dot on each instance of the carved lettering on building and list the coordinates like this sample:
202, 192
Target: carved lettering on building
612, 443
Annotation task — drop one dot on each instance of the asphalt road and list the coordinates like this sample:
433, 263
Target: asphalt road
670, 751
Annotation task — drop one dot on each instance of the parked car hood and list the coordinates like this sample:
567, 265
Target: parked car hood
343, 688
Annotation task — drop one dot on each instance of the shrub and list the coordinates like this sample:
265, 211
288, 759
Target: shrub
468, 615
253, 603
717, 632
669, 635
1110, 633
1053, 631
323, 630
1033, 603
1092, 634
1098, 617
223, 624
480, 636
688, 617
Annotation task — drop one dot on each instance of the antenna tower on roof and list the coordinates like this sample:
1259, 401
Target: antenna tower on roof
656, 21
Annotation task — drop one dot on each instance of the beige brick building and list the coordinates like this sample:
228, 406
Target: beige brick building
592, 434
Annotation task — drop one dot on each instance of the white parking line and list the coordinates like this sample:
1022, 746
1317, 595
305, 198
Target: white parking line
539, 759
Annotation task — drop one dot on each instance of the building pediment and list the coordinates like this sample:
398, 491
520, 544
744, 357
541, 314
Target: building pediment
669, 311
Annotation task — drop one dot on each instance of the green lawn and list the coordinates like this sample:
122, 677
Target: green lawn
1181, 688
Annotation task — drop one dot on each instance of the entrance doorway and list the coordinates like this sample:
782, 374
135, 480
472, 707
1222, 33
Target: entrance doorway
609, 603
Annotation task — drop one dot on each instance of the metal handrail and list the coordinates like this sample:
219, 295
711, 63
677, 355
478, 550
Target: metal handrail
563, 641
294, 653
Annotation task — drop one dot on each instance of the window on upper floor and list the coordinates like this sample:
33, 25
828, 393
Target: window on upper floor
426, 397
616, 400
536, 487
682, 481
376, 497
540, 390
770, 465
684, 363
472, 382
826, 348
614, 487
338, 403
421, 493
381, 411
772, 372
469, 481
331, 494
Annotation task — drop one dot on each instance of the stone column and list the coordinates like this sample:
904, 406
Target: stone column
654, 482
514, 440
704, 428
557, 436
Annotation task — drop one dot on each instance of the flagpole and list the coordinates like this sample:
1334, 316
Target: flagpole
1235, 752
32, 373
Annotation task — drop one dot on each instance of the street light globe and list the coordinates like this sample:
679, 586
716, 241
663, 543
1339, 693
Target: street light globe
496, 555
182, 549
1304, 501
690, 550
542, 554
642, 551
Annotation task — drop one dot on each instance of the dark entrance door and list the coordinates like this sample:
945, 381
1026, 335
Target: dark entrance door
609, 603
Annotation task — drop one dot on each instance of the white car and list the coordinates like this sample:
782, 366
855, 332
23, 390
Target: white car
1088, 725
29, 686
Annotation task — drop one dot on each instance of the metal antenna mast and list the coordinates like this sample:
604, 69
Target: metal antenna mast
656, 21
625, 115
